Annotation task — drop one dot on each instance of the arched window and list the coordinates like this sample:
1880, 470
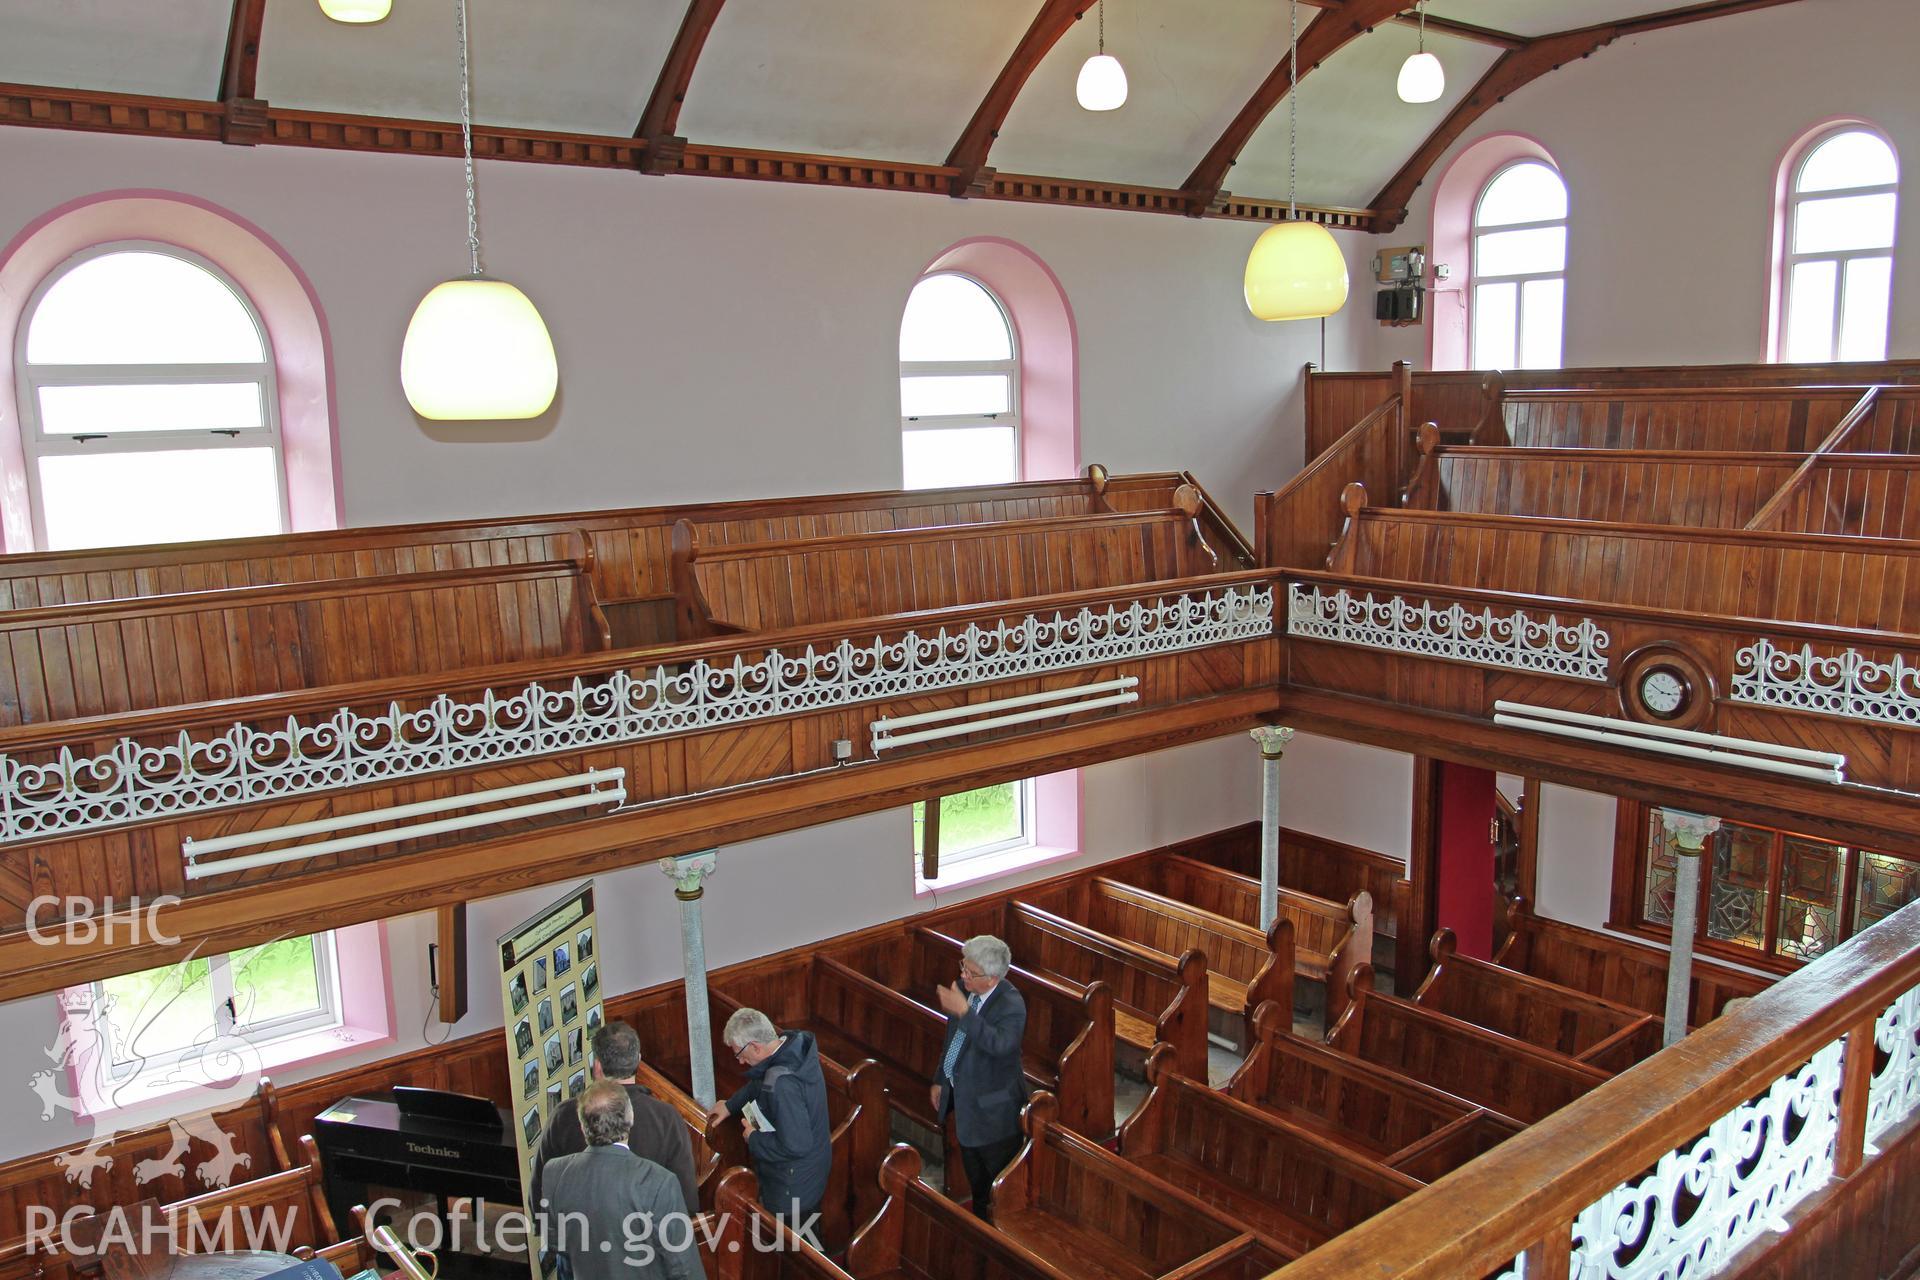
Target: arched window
1836, 268
147, 403
959, 386
1519, 270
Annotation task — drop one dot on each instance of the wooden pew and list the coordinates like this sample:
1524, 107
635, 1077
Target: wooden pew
1696, 489
1370, 1110
277, 1212
1309, 864
1497, 1072
1092, 1214
1245, 967
1583, 1027
1069, 1041
1282, 1181
116, 657
1747, 419
1617, 969
746, 1242
921, 1235
771, 586
1860, 495
1154, 998
1330, 940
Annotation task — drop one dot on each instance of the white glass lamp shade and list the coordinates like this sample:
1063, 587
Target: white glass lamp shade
356, 10
1422, 79
478, 351
1103, 83
1295, 272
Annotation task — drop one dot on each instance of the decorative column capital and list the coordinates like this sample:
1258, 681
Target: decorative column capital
1688, 832
687, 871
1273, 740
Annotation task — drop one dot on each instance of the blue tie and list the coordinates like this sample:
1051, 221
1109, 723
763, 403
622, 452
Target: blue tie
959, 1039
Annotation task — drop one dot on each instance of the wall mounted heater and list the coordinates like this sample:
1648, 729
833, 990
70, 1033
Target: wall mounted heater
607, 786
886, 733
1742, 753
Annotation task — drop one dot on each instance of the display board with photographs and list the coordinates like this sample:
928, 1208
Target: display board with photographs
550, 990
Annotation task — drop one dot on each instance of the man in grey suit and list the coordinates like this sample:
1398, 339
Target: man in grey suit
613, 1214
981, 1079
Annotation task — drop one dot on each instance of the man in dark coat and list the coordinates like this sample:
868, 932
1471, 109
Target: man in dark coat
658, 1132
612, 1214
794, 1156
981, 1080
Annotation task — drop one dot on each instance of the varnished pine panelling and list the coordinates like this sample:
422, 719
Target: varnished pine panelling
1304, 518
1541, 1013
1746, 419
1703, 491
1893, 426
1854, 494
1336, 402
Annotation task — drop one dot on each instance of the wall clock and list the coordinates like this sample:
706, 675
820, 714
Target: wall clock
1664, 684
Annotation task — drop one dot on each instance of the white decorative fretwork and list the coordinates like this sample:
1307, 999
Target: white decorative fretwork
1896, 1085
135, 781
1844, 684
1452, 632
1701, 1205
1518, 1271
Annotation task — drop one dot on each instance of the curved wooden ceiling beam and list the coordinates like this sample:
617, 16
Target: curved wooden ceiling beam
246, 116
1331, 31
662, 116
1521, 67
969, 155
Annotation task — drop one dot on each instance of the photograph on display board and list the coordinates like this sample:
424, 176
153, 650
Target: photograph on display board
517, 993
546, 1015
576, 1046
530, 1080
555, 1096
583, 946
590, 982
593, 1019
577, 1083
530, 1124
569, 1004
556, 1055
540, 974
561, 960
522, 1038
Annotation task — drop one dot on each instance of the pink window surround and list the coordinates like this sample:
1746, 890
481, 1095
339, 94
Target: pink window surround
1783, 176
1049, 346
1450, 336
367, 1021
280, 291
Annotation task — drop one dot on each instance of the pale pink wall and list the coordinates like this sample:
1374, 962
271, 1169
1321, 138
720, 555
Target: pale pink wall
1450, 313
285, 298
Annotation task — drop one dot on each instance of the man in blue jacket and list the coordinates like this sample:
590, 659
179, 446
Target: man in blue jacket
981, 1079
794, 1155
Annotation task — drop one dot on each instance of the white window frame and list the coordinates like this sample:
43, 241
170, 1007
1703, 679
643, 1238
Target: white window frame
125, 1066
37, 444
954, 368
1519, 280
1841, 258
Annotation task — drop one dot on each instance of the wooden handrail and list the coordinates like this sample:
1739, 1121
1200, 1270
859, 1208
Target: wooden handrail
1295, 525
1770, 510
1530, 1188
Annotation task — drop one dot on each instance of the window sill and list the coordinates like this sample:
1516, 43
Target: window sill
165, 1085
991, 867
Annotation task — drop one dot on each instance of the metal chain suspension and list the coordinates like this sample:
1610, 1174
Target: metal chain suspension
466, 137
1293, 103
1101, 16
1421, 8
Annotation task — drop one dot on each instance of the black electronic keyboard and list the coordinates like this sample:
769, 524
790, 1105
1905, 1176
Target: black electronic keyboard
444, 1144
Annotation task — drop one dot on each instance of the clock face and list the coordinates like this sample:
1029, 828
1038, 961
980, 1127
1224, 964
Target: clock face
1663, 692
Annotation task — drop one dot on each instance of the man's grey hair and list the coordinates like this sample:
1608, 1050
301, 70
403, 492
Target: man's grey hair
616, 1047
748, 1026
606, 1113
989, 955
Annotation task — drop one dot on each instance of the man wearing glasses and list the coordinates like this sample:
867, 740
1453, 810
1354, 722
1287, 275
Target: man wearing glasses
793, 1155
981, 1080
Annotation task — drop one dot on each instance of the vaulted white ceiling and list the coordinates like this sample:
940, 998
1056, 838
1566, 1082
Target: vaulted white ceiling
892, 80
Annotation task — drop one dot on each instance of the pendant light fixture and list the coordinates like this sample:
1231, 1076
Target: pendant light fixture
356, 11
1422, 79
1103, 81
1296, 271
476, 348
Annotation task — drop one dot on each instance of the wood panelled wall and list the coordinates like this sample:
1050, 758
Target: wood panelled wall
1744, 419
1705, 490
1860, 495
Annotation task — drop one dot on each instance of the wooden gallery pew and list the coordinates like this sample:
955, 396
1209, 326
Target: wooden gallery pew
1092, 1214
1282, 1181
1330, 940
121, 656
748, 1243
1618, 969
1309, 864
1069, 1040
1370, 1110
919, 1234
1246, 967
771, 586
1497, 1072
1583, 1027
1155, 998
1744, 419
280, 1211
